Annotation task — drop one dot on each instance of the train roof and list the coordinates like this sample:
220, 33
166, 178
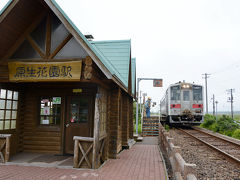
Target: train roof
181, 83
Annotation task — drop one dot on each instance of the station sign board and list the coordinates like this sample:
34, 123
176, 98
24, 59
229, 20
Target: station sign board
47, 71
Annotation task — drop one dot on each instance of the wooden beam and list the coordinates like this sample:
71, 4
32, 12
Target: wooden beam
23, 36
95, 160
60, 46
48, 36
85, 155
36, 47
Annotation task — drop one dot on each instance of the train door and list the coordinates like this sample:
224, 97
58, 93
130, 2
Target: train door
185, 98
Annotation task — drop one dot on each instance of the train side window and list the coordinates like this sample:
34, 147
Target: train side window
185, 95
175, 93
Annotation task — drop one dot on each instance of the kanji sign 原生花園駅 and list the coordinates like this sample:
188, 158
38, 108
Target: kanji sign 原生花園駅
50, 71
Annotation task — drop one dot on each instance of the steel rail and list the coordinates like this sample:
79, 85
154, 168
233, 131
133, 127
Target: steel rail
219, 137
213, 147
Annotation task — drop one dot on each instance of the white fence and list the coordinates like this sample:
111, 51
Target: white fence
181, 169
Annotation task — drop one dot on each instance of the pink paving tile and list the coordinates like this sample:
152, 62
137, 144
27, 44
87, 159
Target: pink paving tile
142, 161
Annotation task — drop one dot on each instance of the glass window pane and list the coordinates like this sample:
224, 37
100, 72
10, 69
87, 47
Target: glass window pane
14, 114
25, 51
39, 34
15, 95
9, 104
2, 104
1, 125
186, 95
13, 124
59, 33
2, 114
71, 50
3, 93
15, 104
7, 125
9, 94
8, 115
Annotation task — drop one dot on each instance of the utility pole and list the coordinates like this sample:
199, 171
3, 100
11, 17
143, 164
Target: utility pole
230, 99
216, 108
205, 77
213, 98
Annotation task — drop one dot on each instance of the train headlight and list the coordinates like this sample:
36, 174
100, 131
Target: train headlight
185, 86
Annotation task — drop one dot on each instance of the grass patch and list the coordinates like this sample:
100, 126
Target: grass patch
223, 124
139, 128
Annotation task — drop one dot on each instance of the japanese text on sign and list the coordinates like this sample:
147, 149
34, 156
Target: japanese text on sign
19, 71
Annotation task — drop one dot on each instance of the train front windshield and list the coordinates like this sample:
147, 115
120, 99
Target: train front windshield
197, 93
175, 93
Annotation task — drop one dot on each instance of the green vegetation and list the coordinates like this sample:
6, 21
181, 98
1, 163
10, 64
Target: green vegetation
223, 124
167, 128
139, 118
139, 128
134, 112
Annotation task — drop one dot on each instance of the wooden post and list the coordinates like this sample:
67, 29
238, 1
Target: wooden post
76, 153
95, 160
7, 152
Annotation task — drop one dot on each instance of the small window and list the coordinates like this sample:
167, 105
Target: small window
50, 111
185, 95
175, 93
8, 109
197, 93
79, 110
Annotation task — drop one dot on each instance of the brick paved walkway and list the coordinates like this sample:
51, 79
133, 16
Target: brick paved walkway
142, 161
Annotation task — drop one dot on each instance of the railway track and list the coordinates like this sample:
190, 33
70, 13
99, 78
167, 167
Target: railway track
228, 148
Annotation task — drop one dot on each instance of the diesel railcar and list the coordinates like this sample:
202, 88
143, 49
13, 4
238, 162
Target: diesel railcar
182, 104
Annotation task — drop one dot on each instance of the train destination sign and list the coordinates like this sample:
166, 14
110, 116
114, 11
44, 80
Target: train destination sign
49, 71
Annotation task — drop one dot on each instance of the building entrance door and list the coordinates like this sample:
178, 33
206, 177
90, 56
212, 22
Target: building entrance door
78, 121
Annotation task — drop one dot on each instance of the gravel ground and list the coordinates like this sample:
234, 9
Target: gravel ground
210, 165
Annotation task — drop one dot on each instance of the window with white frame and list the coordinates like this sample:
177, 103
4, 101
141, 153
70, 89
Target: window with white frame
8, 109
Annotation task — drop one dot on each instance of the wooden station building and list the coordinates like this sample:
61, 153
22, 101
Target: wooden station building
55, 84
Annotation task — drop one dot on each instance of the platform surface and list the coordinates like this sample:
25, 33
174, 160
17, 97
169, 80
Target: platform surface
142, 161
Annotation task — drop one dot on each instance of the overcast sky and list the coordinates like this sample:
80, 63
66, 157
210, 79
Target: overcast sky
171, 39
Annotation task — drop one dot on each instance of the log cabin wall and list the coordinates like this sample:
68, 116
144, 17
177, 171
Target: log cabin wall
36, 138
130, 100
113, 122
120, 120
125, 120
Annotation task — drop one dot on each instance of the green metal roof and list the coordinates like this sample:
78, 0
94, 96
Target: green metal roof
133, 75
118, 54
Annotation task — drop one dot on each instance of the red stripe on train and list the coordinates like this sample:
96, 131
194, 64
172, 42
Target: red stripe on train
175, 105
197, 106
